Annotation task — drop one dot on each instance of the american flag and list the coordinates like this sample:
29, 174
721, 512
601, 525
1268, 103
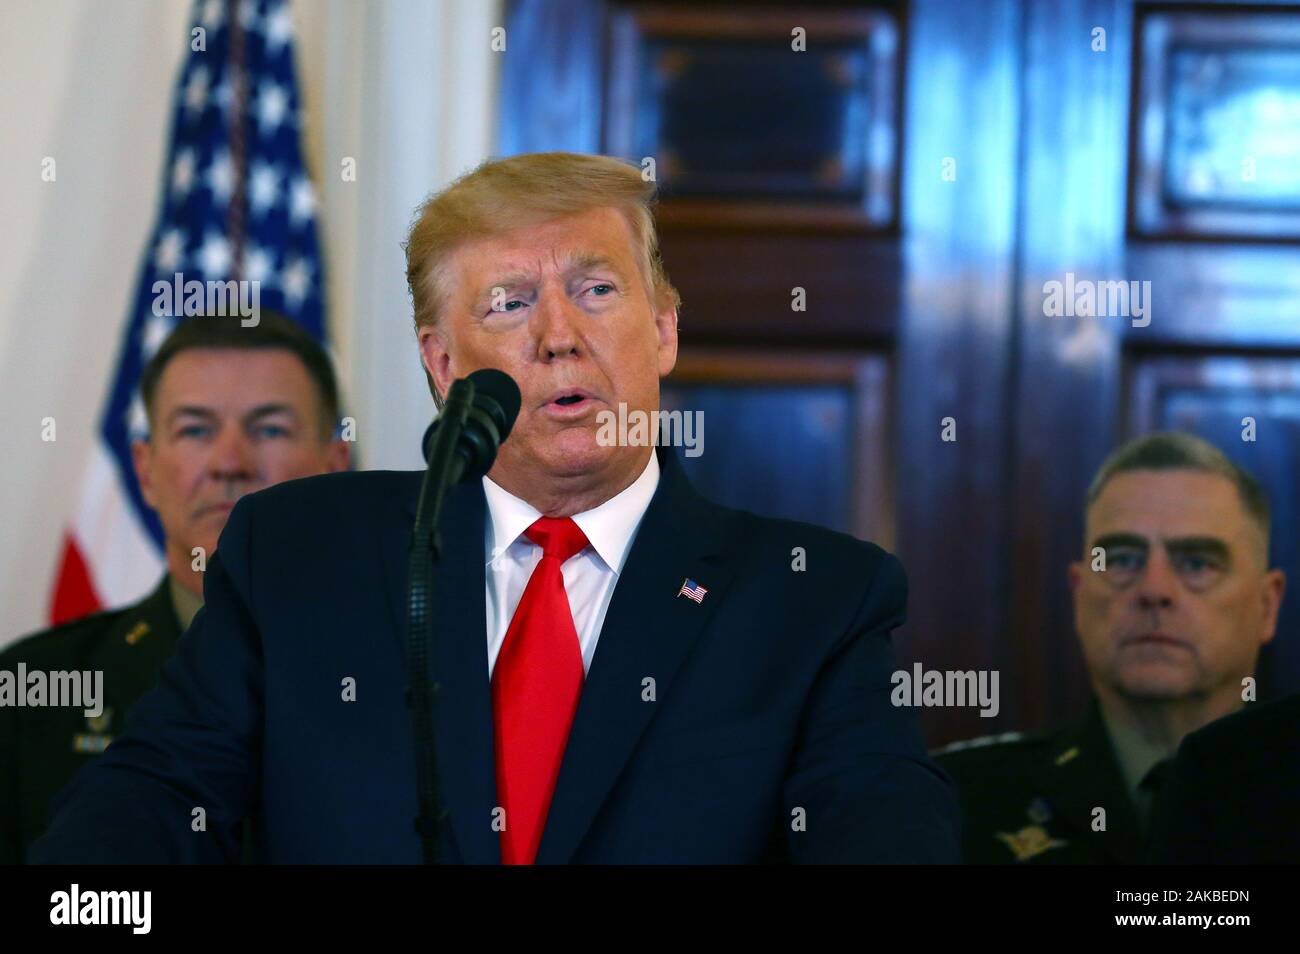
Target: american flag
236, 203
692, 591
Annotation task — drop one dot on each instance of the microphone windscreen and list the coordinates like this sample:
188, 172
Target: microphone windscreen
501, 388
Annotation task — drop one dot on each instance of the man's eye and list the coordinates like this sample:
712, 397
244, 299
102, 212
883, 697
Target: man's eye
605, 285
272, 430
1123, 560
1195, 563
194, 430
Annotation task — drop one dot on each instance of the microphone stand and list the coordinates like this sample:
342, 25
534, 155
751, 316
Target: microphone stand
444, 470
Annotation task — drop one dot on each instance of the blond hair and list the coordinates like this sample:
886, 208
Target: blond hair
505, 194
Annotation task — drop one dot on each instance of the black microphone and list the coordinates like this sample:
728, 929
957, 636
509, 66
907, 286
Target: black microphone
459, 446
493, 404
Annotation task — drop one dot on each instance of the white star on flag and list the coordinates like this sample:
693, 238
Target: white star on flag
137, 422
214, 257
224, 97
302, 201
272, 107
156, 330
279, 29
295, 280
196, 92
170, 251
259, 266
211, 16
183, 172
263, 188
221, 176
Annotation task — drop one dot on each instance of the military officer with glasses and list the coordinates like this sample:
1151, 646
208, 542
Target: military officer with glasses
1173, 600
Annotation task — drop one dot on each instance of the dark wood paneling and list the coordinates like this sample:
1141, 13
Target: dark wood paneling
1217, 295
1215, 126
747, 130
962, 96
1066, 406
741, 289
799, 435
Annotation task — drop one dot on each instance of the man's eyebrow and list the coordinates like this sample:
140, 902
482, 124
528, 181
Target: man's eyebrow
1122, 540
509, 280
590, 262
1199, 545
190, 410
266, 410
580, 262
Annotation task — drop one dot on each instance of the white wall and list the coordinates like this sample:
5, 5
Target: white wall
406, 87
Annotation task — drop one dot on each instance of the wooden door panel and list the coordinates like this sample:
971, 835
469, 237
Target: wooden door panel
801, 436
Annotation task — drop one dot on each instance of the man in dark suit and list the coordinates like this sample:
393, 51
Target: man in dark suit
231, 409
1173, 599
1234, 791
627, 672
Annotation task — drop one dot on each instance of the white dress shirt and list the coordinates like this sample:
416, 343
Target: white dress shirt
589, 577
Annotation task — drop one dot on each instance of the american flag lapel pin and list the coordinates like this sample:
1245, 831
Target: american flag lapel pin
692, 591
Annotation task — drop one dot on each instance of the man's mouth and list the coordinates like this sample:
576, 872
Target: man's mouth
222, 507
1154, 639
568, 403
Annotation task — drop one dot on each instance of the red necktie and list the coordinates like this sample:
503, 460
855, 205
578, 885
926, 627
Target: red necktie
535, 688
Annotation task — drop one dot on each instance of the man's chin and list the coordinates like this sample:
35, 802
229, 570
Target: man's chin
575, 452
1157, 683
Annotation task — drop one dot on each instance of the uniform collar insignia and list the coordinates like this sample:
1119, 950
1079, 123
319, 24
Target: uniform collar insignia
1039, 811
1068, 755
90, 743
137, 632
100, 723
1030, 841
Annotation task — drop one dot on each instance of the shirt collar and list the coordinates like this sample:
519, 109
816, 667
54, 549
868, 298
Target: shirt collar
186, 604
1136, 755
609, 527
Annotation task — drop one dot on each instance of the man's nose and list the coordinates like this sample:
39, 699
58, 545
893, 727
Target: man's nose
555, 326
1158, 583
232, 455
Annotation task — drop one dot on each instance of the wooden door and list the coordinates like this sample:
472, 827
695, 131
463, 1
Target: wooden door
913, 175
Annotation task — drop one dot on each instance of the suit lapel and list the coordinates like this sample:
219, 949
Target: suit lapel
463, 707
648, 631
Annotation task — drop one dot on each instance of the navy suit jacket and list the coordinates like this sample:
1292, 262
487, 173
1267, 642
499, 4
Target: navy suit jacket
753, 726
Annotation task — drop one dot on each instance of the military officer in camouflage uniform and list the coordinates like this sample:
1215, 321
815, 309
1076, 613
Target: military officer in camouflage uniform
231, 410
1173, 600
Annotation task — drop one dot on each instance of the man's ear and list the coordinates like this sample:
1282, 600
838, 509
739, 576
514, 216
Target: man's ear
436, 358
666, 327
1273, 592
338, 455
142, 461
1075, 576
